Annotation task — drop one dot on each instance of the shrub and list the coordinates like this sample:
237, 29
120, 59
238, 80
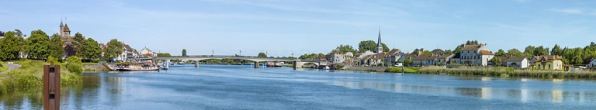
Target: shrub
52, 59
74, 65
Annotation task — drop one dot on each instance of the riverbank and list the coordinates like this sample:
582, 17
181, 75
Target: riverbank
506, 72
94, 67
30, 75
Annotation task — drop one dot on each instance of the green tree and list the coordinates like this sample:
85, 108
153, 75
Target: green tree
514, 52
415, 51
367, 45
52, 59
91, 49
78, 43
183, 52
426, 53
345, 48
385, 48
38, 45
556, 50
448, 52
9, 46
530, 50
18, 33
164, 55
74, 65
408, 61
56, 49
262, 55
112, 50
496, 61
500, 53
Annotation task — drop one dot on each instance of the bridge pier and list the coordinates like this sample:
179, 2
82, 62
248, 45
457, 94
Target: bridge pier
297, 65
256, 64
196, 64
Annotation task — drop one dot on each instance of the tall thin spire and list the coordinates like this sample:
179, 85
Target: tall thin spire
61, 24
379, 43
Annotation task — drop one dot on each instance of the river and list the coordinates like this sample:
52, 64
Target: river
244, 87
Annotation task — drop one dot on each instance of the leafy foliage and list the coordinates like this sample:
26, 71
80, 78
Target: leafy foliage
183, 52
74, 65
39, 45
56, 50
9, 46
164, 55
262, 55
345, 48
113, 49
496, 61
90, 49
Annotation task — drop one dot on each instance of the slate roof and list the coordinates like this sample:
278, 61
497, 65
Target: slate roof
471, 47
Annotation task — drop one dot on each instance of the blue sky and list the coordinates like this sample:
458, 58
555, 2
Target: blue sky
309, 26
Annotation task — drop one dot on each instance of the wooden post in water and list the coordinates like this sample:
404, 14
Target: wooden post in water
51, 87
256, 64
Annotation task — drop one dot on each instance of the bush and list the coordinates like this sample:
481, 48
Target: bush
52, 59
74, 65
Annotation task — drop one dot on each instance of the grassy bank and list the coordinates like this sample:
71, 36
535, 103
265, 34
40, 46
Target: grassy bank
507, 72
3, 67
399, 70
30, 74
94, 67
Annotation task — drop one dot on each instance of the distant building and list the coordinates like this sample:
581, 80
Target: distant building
128, 54
591, 62
379, 44
146, 52
437, 52
548, 62
339, 57
515, 62
473, 55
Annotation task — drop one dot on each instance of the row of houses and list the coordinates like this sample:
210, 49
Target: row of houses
130, 54
469, 55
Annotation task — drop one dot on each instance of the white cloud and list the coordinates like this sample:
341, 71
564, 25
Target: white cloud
569, 11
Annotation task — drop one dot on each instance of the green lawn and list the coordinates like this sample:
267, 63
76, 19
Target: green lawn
398, 70
3, 68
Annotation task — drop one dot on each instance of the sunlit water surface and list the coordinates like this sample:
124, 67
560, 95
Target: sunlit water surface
244, 87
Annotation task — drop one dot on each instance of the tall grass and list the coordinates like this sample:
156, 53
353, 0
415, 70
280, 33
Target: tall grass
506, 72
30, 76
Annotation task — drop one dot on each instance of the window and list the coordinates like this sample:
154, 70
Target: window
548, 66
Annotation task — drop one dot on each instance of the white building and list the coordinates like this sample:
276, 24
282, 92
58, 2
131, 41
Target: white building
474, 55
592, 62
148, 53
516, 62
340, 57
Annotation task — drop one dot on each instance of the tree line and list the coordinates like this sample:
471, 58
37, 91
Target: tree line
40, 45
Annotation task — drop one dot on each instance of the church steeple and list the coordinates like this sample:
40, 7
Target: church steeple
379, 43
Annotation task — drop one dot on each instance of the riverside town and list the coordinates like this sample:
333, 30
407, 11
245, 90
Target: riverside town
517, 54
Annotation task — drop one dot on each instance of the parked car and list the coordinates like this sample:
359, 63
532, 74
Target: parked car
398, 64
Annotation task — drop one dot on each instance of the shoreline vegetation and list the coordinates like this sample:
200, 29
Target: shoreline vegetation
494, 72
30, 76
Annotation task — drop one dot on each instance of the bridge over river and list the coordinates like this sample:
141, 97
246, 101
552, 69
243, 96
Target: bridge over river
297, 63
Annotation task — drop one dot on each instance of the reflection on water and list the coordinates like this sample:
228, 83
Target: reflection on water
556, 95
224, 87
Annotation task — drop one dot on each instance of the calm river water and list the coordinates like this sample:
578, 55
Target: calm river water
244, 87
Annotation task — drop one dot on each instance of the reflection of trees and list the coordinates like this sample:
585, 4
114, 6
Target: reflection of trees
114, 89
15, 99
474, 92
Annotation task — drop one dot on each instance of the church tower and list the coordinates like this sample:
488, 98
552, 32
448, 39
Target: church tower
379, 45
61, 28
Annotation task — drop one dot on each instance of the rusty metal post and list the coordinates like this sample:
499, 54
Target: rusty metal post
51, 87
